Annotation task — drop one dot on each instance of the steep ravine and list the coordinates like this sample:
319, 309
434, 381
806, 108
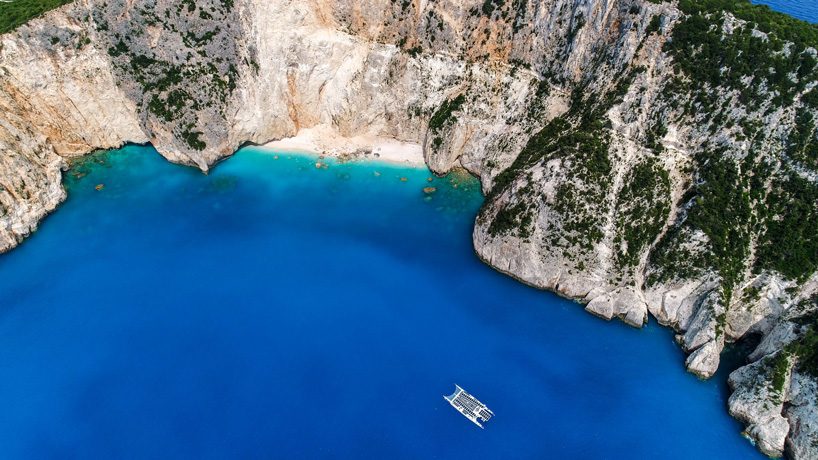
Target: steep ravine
643, 158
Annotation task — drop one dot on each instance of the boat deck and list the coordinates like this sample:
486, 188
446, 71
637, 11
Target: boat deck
469, 406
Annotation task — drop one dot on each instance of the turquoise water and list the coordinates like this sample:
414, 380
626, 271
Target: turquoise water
801, 9
275, 310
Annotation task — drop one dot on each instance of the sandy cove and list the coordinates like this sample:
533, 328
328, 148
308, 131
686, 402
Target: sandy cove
323, 140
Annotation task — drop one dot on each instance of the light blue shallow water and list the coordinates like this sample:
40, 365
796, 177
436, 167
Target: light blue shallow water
273, 310
801, 9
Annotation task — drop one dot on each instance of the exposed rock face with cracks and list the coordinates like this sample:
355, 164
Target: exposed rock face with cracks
641, 158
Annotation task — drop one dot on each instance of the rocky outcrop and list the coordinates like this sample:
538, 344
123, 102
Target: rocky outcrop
775, 395
642, 159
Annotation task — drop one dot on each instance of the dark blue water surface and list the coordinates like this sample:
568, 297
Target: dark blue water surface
275, 310
801, 9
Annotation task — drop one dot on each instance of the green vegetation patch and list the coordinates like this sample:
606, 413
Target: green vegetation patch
754, 66
17, 12
445, 114
643, 206
802, 145
720, 206
583, 146
736, 201
783, 26
443, 118
780, 368
517, 219
723, 212
789, 243
805, 348
581, 140
801, 353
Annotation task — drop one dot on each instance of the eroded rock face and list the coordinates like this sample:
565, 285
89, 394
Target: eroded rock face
623, 167
776, 394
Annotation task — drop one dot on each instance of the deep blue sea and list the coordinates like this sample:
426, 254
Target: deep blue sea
275, 310
801, 9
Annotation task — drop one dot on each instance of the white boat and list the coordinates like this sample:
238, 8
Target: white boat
469, 406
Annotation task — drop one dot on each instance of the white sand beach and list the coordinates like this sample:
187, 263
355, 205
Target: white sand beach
323, 140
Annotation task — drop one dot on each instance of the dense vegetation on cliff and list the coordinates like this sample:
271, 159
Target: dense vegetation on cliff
17, 12
739, 105
758, 202
757, 209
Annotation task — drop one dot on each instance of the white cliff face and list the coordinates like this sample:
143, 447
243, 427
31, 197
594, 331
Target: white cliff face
760, 407
802, 416
312, 74
31, 187
95, 75
599, 154
56, 102
775, 395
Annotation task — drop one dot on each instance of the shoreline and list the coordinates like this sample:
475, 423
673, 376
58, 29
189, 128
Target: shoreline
322, 141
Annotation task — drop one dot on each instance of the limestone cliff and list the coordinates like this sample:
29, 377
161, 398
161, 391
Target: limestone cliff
643, 158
